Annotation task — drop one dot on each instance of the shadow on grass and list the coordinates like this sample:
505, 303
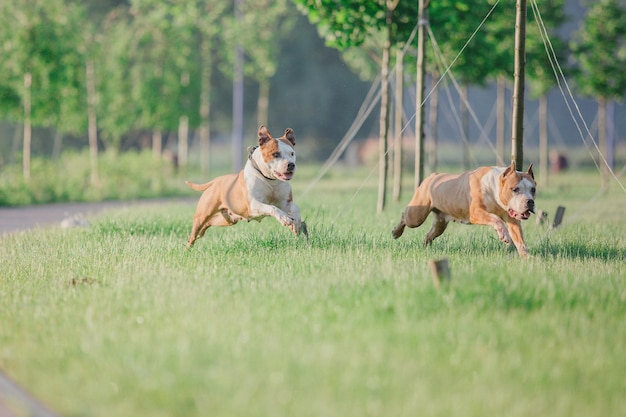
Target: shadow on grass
580, 250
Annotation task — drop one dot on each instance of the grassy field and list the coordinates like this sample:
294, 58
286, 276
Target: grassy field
118, 319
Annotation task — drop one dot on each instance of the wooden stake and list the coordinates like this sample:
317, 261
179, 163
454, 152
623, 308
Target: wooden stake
517, 122
558, 217
441, 272
422, 21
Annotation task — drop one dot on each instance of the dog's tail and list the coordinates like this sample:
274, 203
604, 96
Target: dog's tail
198, 187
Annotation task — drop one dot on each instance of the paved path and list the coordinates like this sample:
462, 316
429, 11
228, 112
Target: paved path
21, 401
14, 219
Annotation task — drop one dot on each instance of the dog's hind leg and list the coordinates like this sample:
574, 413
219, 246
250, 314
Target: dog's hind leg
200, 226
439, 226
197, 231
399, 229
413, 216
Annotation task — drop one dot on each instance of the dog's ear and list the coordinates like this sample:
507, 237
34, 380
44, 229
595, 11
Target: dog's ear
509, 169
530, 171
264, 135
290, 136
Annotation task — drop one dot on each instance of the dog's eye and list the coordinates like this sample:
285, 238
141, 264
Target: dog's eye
516, 190
276, 154
293, 153
533, 190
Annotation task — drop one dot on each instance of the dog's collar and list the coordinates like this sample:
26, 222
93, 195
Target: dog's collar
251, 150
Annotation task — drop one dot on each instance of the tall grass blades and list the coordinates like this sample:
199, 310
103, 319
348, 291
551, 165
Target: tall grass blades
120, 319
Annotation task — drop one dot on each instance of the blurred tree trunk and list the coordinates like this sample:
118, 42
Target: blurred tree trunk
28, 80
183, 140
543, 141
263, 102
238, 94
602, 142
519, 75
397, 145
17, 135
205, 105
157, 143
500, 119
92, 129
420, 77
610, 133
433, 121
58, 143
465, 127
383, 119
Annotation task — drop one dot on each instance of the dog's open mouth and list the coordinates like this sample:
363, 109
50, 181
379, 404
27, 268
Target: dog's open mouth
520, 216
285, 176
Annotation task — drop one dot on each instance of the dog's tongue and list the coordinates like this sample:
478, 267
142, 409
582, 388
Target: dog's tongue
284, 175
522, 216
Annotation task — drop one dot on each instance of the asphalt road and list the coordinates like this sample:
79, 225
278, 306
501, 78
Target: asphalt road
15, 219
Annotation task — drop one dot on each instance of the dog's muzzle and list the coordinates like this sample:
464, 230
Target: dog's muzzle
288, 174
530, 208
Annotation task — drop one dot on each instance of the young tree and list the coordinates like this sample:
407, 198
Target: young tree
207, 24
350, 23
162, 42
253, 54
274, 20
104, 79
599, 51
113, 63
39, 49
539, 69
483, 52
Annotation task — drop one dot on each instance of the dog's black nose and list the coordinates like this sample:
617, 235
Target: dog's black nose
530, 205
291, 166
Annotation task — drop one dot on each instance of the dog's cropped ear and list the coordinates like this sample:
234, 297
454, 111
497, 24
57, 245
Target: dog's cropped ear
290, 136
509, 169
530, 171
264, 135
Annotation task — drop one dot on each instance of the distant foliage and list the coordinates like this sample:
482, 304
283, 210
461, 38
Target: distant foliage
128, 175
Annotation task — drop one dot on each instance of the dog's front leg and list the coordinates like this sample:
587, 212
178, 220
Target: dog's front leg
294, 212
515, 227
481, 216
258, 209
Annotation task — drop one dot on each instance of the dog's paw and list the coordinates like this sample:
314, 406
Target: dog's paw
285, 220
398, 230
291, 223
503, 234
295, 227
298, 227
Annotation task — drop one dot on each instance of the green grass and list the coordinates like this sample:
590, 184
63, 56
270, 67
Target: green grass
119, 319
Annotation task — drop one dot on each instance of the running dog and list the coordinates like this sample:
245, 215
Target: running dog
261, 189
492, 196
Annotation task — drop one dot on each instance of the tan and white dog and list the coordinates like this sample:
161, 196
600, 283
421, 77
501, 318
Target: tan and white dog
493, 196
261, 189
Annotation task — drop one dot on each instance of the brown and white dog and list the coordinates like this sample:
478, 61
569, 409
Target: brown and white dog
493, 196
261, 189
